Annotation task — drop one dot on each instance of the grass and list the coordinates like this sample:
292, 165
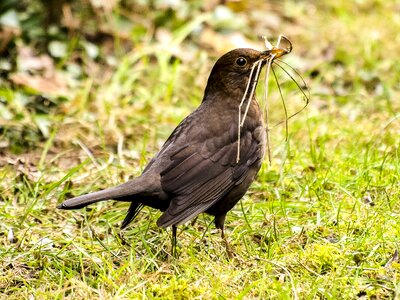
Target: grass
322, 222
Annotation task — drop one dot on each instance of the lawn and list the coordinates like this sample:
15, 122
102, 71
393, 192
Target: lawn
320, 222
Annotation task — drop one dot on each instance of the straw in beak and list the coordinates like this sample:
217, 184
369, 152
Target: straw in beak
283, 47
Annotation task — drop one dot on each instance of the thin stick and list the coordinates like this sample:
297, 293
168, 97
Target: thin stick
238, 144
279, 41
268, 45
266, 109
254, 81
240, 123
89, 153
240, 112
284, 107
307, 97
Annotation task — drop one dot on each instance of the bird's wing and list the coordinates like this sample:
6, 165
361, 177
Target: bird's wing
197, 179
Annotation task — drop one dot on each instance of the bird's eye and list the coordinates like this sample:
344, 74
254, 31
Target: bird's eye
241, 61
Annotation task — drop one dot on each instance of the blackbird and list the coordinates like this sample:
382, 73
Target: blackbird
198, 169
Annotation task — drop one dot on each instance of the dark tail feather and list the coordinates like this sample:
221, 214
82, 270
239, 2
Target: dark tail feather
133, 211
130, 188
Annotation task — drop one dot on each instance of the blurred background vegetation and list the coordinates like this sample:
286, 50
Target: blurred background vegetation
90, 89
60, 57
54, 53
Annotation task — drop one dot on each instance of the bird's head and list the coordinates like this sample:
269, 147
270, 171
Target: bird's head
231, 72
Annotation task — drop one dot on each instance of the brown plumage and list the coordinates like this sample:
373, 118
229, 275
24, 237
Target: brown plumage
196, 169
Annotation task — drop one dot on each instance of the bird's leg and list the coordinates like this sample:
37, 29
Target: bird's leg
219, 223
227, 247
173, 251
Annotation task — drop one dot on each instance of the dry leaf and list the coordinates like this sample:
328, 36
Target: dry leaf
28, 61
6, 35
24, 166
54, 85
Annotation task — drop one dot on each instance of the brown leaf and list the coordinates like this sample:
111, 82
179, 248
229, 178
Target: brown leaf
28, 61
25, 167
6, 35
54, 85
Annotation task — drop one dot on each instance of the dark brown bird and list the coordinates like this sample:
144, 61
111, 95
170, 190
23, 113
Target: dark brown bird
197, 170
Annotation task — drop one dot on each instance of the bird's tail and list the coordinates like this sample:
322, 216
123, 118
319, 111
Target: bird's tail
122, 192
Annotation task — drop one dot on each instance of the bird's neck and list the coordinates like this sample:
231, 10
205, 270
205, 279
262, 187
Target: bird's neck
228, 98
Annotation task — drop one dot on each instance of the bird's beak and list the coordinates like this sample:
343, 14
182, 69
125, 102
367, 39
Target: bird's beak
276, 52
279, 51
